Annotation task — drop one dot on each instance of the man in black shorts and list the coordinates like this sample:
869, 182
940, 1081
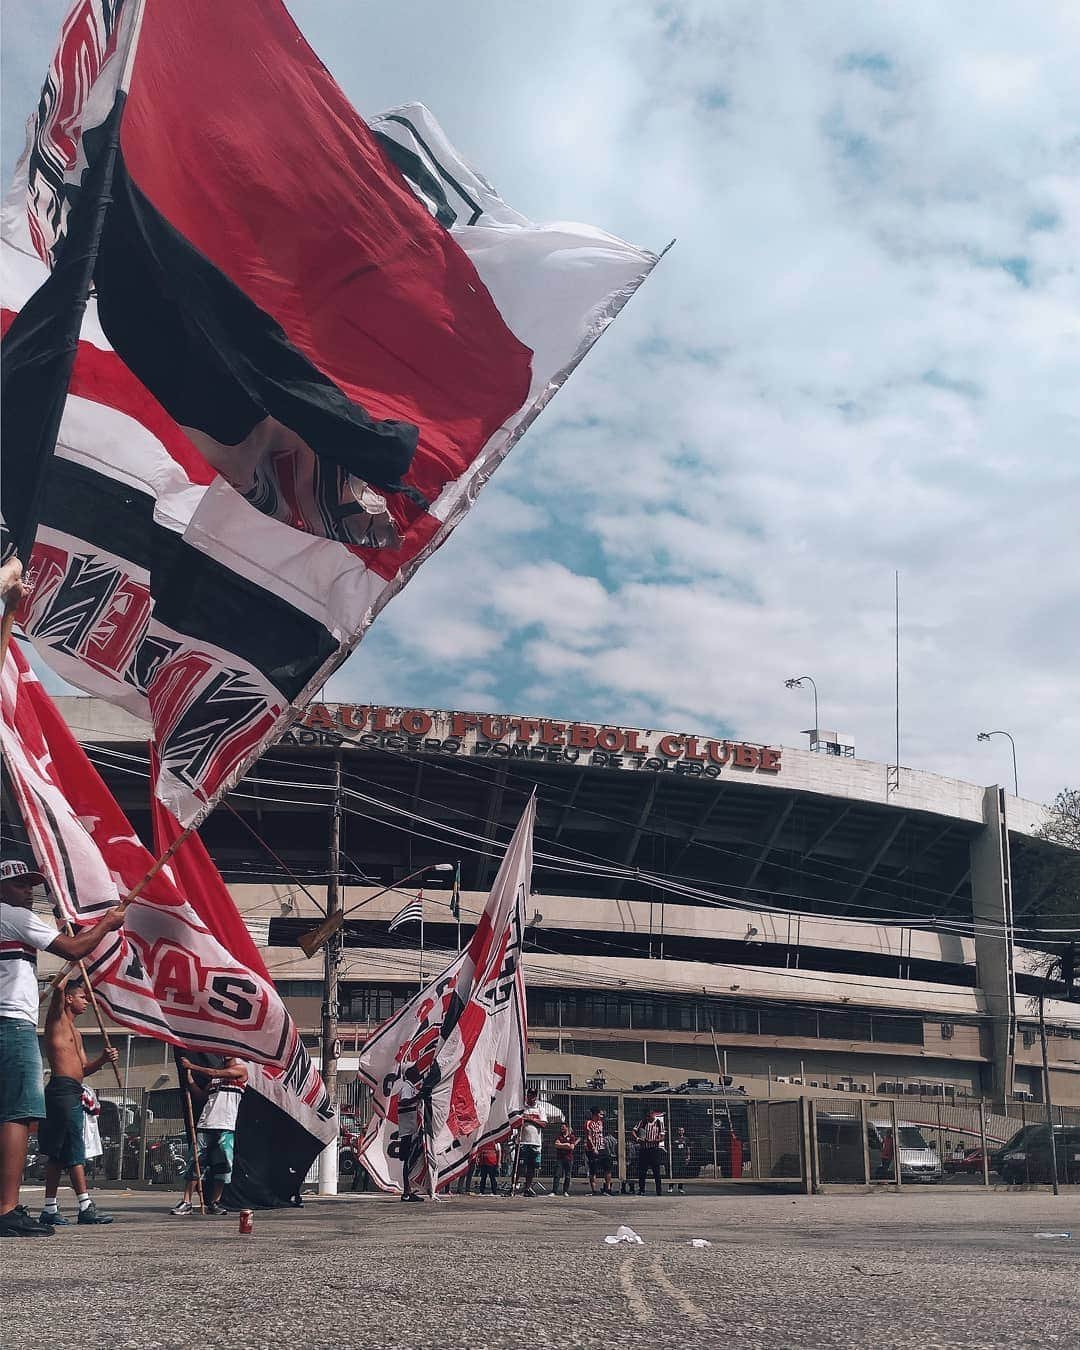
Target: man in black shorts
62, 1134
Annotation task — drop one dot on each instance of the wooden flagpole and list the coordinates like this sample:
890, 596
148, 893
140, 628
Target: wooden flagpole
92, 996
133, 894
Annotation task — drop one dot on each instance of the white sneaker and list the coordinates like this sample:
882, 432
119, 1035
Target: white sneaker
184, 1207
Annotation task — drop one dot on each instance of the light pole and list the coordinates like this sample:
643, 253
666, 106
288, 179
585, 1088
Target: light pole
985, 736
796, 682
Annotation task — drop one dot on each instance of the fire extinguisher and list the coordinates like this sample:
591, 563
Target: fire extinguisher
735, 1144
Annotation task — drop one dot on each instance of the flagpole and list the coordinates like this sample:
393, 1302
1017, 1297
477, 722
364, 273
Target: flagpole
421, 897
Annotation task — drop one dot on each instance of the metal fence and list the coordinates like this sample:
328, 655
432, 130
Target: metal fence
817, 1141
142, 1138
872, 1141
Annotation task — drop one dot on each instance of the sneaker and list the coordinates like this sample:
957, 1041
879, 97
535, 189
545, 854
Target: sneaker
18, 1223
296, 1201
671, 1190
90, 1215
53, 1220
417, 1199
682, 1190
216, 1209
184, 1207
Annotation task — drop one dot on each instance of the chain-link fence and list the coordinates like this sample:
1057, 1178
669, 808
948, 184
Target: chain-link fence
141, 1137
869, 1141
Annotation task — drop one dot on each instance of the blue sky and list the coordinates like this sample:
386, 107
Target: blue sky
861, 355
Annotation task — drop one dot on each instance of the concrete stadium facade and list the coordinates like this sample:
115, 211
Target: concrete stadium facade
801, 920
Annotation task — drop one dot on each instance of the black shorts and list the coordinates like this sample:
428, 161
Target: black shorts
61, 1135
599, 1164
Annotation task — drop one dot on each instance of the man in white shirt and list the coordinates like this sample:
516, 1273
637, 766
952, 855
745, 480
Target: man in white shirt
533, 1122
22, 1100
216, 1131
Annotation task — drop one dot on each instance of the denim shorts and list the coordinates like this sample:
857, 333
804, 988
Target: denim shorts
62, 1134
22, 1095
216, 1148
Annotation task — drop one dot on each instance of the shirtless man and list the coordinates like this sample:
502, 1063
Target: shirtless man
62, 1135
22, 935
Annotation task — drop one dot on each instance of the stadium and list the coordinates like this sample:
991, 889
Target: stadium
796, 918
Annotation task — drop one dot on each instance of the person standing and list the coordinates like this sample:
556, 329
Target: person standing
597, 1152
532, 1139
680, 1160
488, 1159
649, 1134
216, 1132
410, 1118
565, 1143
62, 1134
22, 1102
465, 1181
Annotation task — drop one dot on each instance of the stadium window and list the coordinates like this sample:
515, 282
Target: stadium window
844, 1026
899, 1030
787, 1022
299, 988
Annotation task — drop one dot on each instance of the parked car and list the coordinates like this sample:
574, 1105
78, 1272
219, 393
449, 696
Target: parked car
657, 1085
971, 1162
918, 1160
701, 1086
1026, 1158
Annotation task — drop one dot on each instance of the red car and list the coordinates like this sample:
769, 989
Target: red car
972, 1161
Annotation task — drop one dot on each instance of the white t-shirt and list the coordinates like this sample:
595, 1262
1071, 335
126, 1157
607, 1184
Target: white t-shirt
91, 1129
22, 936
221, 1107
530, 1133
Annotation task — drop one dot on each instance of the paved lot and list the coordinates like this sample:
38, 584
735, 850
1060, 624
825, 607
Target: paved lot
882, 1270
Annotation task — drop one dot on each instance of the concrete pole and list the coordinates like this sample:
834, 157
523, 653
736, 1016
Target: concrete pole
1046, 1088
328, 1158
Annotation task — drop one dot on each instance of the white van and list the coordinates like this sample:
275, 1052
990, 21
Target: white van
918, 1161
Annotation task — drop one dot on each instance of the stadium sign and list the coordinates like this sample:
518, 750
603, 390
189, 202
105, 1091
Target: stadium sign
499, 736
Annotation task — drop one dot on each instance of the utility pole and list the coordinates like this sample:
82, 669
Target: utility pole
328, 1159
1046, 1086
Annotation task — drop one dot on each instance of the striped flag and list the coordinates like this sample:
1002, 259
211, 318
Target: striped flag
310, 341
461, 1040
413, 912
455, 894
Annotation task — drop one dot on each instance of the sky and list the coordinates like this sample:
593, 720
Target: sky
860, 357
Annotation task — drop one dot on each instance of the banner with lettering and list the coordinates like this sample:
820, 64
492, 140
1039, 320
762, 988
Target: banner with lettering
310, 343
165, 973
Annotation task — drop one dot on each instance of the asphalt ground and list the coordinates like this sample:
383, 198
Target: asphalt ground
887, 1270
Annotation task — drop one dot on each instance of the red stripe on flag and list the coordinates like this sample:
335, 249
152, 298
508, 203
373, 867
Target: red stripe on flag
277, 180
101, 377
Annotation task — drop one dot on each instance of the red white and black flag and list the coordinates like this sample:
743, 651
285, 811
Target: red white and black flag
166, 973
462, 1040
310, 343
183, 968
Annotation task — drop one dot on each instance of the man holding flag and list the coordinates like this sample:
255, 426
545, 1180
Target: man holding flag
462, 1038
22, 1100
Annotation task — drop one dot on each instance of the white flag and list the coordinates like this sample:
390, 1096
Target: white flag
465, 1035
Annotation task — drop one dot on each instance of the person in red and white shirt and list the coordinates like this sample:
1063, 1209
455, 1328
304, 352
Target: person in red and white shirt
22, 1098
597, 1151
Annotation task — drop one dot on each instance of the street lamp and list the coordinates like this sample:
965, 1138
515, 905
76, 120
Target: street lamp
312, 941
796, 682
985, 736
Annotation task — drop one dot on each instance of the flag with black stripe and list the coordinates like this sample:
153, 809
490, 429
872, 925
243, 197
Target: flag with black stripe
309, 343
